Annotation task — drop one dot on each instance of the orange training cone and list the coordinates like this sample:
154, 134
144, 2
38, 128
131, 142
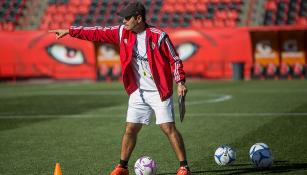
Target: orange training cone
57, 170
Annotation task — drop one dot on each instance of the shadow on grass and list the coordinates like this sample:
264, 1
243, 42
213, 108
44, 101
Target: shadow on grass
7, 124
53, 105
279, 167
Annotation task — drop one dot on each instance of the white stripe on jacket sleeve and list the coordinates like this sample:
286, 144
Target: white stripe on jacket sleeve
176, 59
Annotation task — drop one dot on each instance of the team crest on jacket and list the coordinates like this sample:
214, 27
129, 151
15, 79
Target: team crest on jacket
153, 45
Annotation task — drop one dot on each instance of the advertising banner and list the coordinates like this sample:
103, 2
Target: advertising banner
292, 47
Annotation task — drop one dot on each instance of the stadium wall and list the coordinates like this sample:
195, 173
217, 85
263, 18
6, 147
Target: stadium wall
29, 54
206, 53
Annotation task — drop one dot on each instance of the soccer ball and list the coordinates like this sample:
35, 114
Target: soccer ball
262, 158
261, 155
256, 147
145, 166
224, 155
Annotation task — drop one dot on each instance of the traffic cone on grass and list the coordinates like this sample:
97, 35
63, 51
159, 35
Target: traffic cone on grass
57, 170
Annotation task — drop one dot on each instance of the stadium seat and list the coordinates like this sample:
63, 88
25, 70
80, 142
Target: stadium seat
301, 21
221, 14
219, 23
230, 23
201, 8
62, 9
271, 5
232, 14
72, 9
208, 23
225, 13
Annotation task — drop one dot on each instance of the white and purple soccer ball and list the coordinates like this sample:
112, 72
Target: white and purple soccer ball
224, 155
261, 155
145, 166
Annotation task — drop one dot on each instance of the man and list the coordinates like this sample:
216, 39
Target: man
149, 65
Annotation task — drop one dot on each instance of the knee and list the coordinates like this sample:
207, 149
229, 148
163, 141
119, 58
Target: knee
132, 129
168, 128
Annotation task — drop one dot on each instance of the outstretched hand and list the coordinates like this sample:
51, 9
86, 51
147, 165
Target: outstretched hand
60, 33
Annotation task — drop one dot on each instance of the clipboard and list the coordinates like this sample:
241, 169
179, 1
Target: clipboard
181, 102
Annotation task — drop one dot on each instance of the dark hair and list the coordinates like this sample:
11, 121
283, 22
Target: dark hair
133, 9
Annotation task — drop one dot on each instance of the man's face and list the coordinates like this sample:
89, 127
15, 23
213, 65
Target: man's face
130, 22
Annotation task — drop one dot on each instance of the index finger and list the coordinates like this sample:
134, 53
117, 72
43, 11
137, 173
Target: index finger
53, 31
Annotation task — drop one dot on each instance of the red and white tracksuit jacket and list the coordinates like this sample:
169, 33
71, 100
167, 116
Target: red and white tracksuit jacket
163, 59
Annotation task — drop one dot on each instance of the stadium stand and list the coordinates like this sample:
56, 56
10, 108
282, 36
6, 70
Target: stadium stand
47, 14
285, 12
10, 12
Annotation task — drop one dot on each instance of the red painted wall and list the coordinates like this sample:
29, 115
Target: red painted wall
39, 54
206, 53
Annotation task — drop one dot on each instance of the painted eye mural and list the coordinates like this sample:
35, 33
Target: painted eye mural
210, 53
186, 50
41, 55
65, 54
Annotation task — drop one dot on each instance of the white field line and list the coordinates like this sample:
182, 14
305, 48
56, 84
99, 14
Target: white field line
214, 100
198, 92
294, 90
219, 98
266, 114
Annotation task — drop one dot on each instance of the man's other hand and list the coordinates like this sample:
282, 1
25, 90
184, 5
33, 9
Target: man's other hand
181, 89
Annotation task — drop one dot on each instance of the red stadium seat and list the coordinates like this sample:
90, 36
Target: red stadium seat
193, 2
230, 23
196, 23
190, 8
180, 8
51, 9
62, 9
69, 17
218, 23
226, 1
222, 14
83, 9
237, 1
271, 5
301, 21
86, 2
232, 14
168, 8
65, 25
9, 26
208, 23
72, 9
44, 25
54, 25
201, 7
215, 1
48, 17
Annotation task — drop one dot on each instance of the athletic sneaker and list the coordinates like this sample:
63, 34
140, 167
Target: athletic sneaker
120, 171
183, 171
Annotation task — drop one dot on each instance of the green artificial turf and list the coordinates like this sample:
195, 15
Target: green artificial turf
80, 125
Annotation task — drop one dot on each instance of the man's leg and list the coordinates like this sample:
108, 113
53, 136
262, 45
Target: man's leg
129, 140
175, 139
177, 143
128, 144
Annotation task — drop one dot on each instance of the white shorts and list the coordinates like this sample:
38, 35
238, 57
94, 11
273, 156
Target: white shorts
143, 103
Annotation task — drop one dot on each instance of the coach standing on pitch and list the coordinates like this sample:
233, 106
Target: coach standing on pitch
149, 65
